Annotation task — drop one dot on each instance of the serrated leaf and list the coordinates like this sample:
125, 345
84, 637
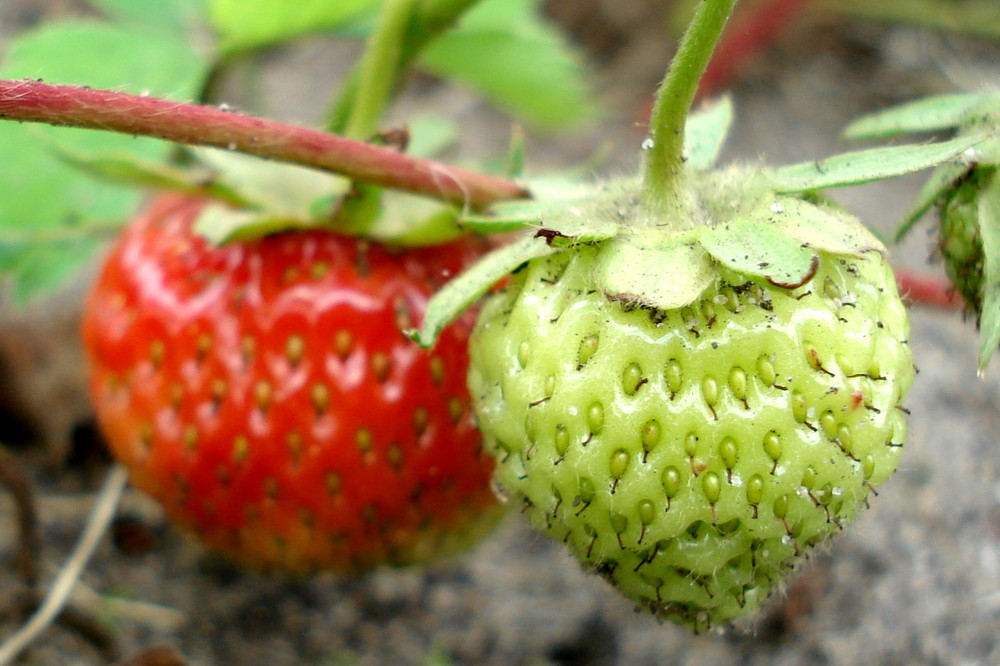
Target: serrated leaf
653, 274
467, 288
936, 186
866, 166
248, 24
822, 227
512, 56
705, 133
989, 229
754, 246
931, 114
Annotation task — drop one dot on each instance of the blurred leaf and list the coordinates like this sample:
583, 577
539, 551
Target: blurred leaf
167, 16
44, 193
127, 169
249, 24
430, 135
931, 114
280, 189
705, 133
980, 17
505, 50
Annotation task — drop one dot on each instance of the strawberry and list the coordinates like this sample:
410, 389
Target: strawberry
690, 396
691, 455
961, 242
263, 393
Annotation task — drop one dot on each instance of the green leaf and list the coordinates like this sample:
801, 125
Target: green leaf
936, 186
976, 17
220, 224
754, 246
409, 220
44, 193
705, 133
505, 50
931, 114
653, 274
282, 190
42, 265
167, 16
989, 229
865, 166
430, 135
127, 169
248, 24
467, 288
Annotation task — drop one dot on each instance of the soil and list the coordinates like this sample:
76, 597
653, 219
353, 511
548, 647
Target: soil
915, 581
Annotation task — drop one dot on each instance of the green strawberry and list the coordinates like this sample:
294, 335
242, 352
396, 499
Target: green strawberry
690, 455
692, 377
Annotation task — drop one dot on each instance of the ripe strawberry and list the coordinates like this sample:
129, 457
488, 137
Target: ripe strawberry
690, 455
263, 393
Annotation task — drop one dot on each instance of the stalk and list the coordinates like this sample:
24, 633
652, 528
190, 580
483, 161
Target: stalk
379, 68
665, 189
429, 20
71, 106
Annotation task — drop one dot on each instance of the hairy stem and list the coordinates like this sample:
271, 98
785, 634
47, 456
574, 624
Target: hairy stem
664, 163
71, 106
431, 19
379, 68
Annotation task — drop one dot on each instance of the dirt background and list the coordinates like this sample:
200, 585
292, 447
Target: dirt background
915, 581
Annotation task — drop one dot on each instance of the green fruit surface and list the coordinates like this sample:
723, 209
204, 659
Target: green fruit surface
690, 456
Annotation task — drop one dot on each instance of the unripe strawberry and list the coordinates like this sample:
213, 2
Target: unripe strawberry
691, 455
961, 241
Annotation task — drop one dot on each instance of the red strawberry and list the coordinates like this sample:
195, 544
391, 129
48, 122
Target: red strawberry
263, 392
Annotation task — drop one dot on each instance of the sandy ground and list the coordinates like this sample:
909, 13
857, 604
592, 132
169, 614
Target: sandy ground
915, 581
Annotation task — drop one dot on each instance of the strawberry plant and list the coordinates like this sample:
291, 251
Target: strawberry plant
693, 377
263, 391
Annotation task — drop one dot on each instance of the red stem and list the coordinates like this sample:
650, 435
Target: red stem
928, 290
87, 108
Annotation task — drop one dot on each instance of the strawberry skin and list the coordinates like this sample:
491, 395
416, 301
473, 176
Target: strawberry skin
264, 394
692, 456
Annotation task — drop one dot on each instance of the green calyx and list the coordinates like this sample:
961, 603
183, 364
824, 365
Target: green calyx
664, 261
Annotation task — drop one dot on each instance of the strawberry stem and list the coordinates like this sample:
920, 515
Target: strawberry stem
71, 106
664, 187
379, 68
431, 18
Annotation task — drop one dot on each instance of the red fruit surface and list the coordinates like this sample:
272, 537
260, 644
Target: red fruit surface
264, 394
